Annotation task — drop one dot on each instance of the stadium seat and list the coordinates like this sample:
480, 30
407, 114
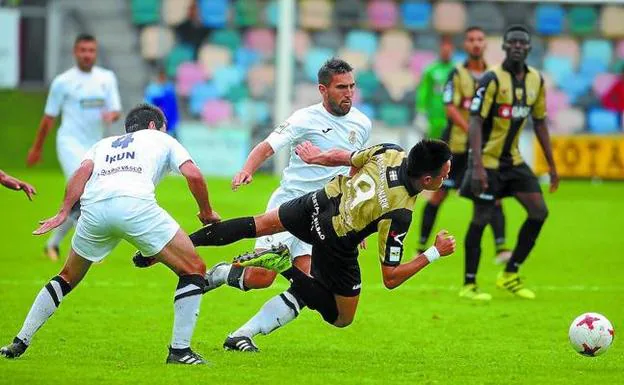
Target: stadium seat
396, 40
611, 21
394, 115
603, 83
145, 12
358, 60
494, 53
367, 109
302, 44
601, 121
179, 54
213, 13
261, 80
419, 60
427, 41
306, 95
516, 13
388, 61
271, 13
449, 17
216, 111
156, 42
559, 68
538, 51
576, 85
568, 121
252, 111
598, 50
200, 94
619, 50
246, 57
261, 40
487, 16
416, 15
212, 57
549, 19
398, 84
188, 75
229, 38
315, 14
175, 12
348, 13
314, 59
591, 67
382, 14
363, 41
582, 20
237, 93
564, 47
556, 100
246, 13
618, 66
331, 39
226, 77
368, 83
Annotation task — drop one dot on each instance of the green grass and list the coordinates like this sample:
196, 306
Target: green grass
116, 325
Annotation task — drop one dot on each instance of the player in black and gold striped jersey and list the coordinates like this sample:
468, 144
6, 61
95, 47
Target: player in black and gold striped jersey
378, 197
457, 96
505, 98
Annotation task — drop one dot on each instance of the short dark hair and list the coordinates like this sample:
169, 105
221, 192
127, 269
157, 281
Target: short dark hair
427, 157
141, 115
473, 28
516, 27
83, 37
332, 67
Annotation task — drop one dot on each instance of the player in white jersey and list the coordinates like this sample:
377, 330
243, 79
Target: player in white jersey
115, 184
87, 97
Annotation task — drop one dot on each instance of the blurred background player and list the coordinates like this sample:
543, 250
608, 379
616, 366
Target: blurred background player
457, 96
161, 93
504, 99
15, 184
115, 183
87, 97
430, 112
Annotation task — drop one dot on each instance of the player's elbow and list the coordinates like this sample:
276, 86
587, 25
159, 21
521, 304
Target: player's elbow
390, 282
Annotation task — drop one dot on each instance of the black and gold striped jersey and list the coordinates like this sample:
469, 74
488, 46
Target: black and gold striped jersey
505, 103
377, 198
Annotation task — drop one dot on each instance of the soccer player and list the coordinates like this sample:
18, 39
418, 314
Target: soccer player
115, 184
87, 97
430, 113
379, 197
504, 99
15, 184
458, 92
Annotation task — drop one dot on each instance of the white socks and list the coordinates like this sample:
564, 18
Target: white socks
275, 313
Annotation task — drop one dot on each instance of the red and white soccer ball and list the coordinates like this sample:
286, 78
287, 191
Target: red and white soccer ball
591, 334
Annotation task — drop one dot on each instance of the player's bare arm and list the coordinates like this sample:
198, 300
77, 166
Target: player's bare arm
260, 153
34, 154
479, 176
15, 184
453, 113
73, 192
311, 154
541, 131
197, 185
394, 276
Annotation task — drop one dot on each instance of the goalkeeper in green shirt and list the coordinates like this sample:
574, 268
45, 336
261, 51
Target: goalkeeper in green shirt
430, 110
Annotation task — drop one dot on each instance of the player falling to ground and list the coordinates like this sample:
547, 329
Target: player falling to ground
333, 123
15, 184
379, 197
115, 184
458, 92
430, 113
87, 97
504, 99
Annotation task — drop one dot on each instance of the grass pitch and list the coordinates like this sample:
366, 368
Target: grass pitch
115, 327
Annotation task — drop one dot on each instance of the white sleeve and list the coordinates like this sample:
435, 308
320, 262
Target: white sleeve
55, 98
113, 101
177, 155
284, 134
367, 134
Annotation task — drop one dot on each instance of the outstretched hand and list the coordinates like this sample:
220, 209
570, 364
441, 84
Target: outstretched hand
307, 152
50, 223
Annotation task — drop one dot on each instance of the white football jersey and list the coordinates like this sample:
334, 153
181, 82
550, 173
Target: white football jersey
131, 165
326, 131
81, 97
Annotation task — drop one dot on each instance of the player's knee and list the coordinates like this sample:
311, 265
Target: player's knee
343, 322
195, 265
539, 214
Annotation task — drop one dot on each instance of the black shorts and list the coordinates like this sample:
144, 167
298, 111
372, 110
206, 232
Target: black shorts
334, 260
502, 183
458, 169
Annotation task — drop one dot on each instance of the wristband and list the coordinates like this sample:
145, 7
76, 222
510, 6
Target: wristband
432, 254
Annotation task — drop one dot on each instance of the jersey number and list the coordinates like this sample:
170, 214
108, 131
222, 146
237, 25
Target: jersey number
361, 195
123, 141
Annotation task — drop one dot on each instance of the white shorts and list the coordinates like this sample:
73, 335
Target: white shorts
296, 247
139, 221
70, 154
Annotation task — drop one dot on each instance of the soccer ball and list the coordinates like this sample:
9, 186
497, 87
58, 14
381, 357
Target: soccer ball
591, 334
